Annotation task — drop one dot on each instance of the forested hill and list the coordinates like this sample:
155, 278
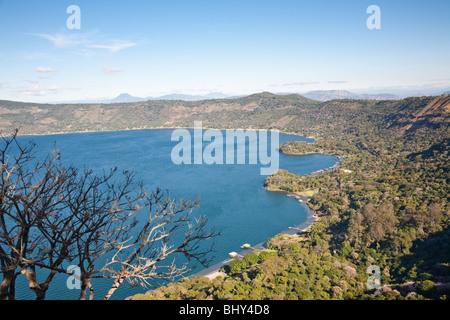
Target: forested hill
292, 113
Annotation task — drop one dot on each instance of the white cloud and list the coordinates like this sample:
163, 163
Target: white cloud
31, 80
37, 90
32, 91
111, 71
45, 70
115, 46
54, 89
337, 81
85, 40
35, 55
305, 83
63, 39
294, 84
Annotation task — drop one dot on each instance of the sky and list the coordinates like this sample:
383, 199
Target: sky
153, 48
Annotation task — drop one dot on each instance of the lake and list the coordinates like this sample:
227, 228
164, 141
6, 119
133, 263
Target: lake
232, 195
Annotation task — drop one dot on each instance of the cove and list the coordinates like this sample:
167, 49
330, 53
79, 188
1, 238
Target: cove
232, 196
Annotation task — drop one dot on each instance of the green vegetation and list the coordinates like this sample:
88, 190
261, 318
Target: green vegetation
292, 272
283, 180
299, 148
387, 204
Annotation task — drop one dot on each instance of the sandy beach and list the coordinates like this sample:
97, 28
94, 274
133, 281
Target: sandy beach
215, 274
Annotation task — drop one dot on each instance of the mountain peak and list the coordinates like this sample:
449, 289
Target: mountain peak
125, 97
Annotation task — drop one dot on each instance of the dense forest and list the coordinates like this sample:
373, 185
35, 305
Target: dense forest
386, 206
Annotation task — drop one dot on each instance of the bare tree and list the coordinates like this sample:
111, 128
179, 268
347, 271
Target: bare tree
143, 261
105, 213
28, 194
106, 224
126, 235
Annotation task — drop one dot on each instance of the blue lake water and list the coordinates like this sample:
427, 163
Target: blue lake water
232, 196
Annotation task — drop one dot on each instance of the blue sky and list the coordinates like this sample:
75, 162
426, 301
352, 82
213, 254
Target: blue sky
152, 48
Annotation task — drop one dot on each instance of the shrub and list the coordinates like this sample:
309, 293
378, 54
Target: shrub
266, 253
251, 259
237, 265
425, 286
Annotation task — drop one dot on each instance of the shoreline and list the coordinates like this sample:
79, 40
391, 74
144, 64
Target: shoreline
155, 128
303, 195
311, 218
214, 271
299, 154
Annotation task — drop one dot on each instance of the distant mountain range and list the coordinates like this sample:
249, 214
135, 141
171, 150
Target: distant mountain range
125, 97
319, 95
326, 95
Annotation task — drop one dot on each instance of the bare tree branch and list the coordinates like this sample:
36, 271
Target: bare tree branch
106, 224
